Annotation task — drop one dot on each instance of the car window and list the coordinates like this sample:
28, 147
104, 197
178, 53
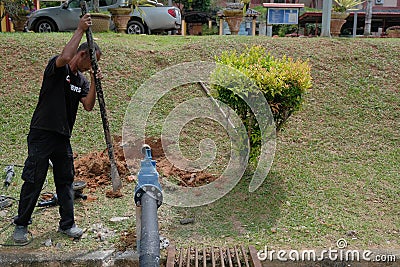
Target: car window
74, 4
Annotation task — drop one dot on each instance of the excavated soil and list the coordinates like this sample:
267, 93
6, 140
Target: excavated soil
94, 168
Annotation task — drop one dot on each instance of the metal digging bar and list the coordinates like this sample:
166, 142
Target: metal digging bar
115, 179
148, 198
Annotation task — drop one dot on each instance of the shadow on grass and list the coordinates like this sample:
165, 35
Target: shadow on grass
239, 216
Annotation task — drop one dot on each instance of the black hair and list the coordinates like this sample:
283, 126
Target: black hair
85, 47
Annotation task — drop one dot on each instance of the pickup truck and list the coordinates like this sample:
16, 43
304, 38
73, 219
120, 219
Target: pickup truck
145, 19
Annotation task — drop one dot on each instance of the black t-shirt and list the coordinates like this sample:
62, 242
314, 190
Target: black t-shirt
59, 99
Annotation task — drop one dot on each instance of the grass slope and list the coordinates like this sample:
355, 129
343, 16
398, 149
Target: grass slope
336, 168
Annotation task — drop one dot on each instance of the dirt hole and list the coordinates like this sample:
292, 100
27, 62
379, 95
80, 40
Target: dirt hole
94, 167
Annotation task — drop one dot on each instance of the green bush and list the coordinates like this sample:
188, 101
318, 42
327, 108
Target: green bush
282, 30
283, 82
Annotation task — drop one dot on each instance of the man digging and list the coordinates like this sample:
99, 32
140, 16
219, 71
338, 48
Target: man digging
63, 87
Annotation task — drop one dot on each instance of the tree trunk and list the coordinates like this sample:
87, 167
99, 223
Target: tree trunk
326, 18
368, 19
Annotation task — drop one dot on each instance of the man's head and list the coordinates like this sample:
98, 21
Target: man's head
83, 52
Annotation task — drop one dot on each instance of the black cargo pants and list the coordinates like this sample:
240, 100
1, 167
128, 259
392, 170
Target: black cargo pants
42, 146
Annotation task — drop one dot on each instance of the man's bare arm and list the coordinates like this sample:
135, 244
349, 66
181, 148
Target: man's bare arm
70, 49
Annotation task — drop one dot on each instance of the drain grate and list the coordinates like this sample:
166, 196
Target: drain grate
238, 256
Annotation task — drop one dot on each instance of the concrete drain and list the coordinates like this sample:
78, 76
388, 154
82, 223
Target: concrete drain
214, 256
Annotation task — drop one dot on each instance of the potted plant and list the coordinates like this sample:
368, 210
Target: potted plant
121, 16
100, 20
18, 11
340, 11
234, 13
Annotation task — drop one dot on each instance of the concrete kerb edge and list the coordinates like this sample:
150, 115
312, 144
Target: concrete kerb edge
99, 258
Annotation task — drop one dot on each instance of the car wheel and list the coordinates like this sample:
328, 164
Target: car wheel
45, 25
135, 27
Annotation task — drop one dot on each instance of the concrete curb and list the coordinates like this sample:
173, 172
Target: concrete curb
91, 259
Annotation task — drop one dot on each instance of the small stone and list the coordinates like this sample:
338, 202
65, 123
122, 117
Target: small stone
131, 178
48, 243
118, 219
351, 233
186, 221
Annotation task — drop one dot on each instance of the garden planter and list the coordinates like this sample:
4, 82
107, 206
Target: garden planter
19, 24
336, 26
338, 19
234, 24
101, 22
234, 18
120, 16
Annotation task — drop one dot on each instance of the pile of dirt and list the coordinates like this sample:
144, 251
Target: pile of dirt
127, 240
94, 168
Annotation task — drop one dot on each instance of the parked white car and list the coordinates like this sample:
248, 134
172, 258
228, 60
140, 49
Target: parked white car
150, 19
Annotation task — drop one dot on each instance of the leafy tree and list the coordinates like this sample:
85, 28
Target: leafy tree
194, 5
16, 8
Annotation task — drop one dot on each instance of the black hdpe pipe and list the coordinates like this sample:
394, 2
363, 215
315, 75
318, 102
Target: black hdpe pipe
149, 235
148, 198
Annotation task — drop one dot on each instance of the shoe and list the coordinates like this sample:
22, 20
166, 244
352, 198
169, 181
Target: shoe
74, 231
20, 234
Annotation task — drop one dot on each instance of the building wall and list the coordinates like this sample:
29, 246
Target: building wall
390, 3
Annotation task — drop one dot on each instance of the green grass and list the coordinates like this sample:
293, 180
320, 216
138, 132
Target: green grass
336, 167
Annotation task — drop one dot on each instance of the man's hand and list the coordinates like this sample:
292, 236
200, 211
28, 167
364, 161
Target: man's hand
99, 74
85, 22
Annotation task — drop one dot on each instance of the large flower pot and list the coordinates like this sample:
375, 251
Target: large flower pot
120, 16
338, 19
101, 22
19, 23
336, 26
234, 24
234, 17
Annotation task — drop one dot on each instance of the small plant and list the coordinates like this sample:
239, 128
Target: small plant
17, 9
284, 29
345, 5
283, 83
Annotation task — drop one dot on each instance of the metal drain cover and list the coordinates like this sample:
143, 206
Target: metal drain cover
237, 256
